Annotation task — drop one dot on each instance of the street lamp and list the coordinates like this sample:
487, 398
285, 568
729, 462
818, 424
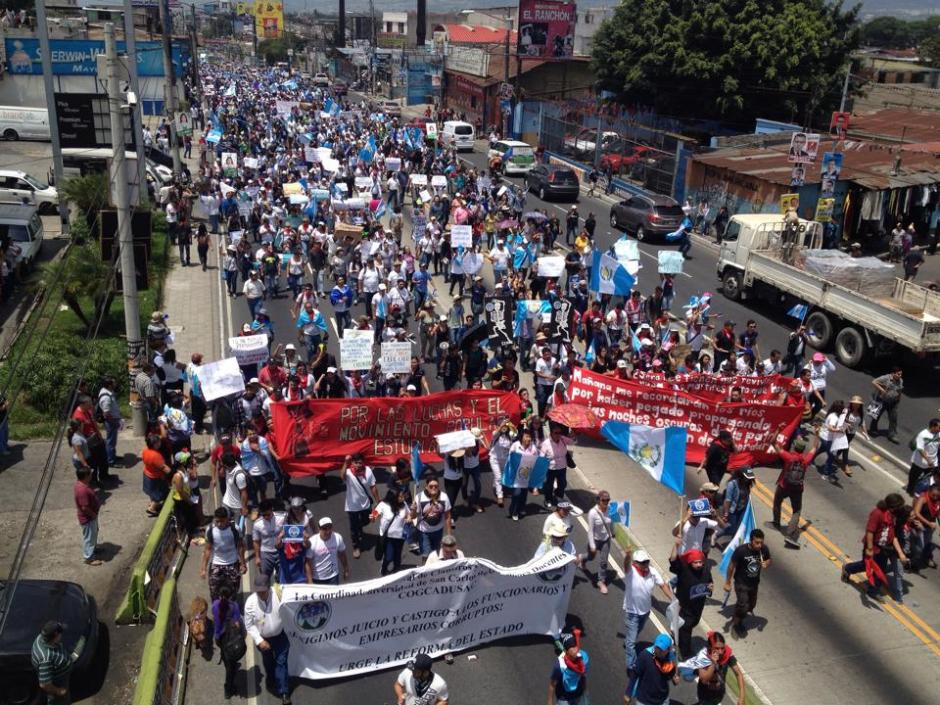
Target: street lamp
508, 19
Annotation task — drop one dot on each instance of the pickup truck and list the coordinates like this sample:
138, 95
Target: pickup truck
761, 258
584, 144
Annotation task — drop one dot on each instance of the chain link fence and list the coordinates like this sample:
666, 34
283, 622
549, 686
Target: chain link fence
639, 154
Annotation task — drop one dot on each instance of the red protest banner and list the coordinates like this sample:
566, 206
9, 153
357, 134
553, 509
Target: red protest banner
717, 387
752, 424
315, 435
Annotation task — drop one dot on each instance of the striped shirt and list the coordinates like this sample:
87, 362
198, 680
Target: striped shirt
51, 662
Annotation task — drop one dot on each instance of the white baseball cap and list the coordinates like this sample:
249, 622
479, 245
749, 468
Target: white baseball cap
641, 556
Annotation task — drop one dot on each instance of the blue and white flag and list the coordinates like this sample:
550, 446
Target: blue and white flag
659, 451
230, 91
381, 309
525, 470
507, 155
589, 354
619, 512
741, 536
328, 105
608, 276
530, 308
636, 342
798, 311
381, 210
417, 467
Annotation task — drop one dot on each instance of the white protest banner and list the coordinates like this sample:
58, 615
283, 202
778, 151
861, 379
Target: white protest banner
551, 266
448, 607
284, 107
670, 262
461, 235
625, 250
292, 188
455, 440
235, 236
250, 162
221, 378
320, 194
439, 181
324, 153
311, 156
419, 179
396, 358
249, 349
393, 164
355, 349
363, 183
425, 196
329, 164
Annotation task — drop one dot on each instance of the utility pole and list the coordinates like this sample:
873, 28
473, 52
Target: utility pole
845, 87
137, 112
506, 118
194, 61
125, 238
42, 29
169, 72
373, 64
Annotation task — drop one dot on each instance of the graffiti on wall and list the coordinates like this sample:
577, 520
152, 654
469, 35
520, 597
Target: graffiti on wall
739, 193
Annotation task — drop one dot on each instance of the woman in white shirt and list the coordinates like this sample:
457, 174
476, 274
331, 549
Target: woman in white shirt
599, 532
392, 514
832, 438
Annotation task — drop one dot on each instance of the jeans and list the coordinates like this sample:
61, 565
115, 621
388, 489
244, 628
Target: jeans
881, 560
184, 253
379, 327
231, 670
632, 626
543, 393
518, 501
555, 483
271, 285
254, 305
343, 321
601, 550
89, 539
922, 547
111, 428
393, 548
275, 663
295, 284
430, 541
231, 281
357, 522
472, 475
826, 447
312, 345
420, 298
895, 575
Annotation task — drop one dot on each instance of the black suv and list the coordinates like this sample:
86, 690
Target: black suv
553, 180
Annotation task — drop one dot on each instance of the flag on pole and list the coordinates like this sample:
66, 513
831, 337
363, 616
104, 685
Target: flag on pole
609, 276
525, 470
589, 354
741, 536
619, 512
659, 451
798, 311
417, 467
636, 342
381, 210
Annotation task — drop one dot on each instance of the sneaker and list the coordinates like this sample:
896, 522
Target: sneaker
414, 548
791, 542
92, 561
602, 588
515, 517
739, 631
356, 553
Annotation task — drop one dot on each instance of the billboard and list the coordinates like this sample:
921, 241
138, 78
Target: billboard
546, 29
76, 57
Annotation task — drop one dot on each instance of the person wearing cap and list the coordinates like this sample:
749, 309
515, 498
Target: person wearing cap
254, 290
264, 627
332, 385
264, 533
561, 517
272, 376
325, 554
447, 552
263, 325
53, 663
737, 497
230, 270
639, 580
567, 684
380, 311
184, 484
361, 492
656, 668
693, 587
558, 537
819, 368
748, 560
417, 684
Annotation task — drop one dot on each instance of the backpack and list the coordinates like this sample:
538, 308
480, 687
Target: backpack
99, 412
232, 646
794, 473
231, 527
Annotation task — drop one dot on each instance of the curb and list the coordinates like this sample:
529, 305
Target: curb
885, 454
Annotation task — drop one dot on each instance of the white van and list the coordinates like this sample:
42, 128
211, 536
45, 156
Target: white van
457, 134
521, 159
24, 123
21, 227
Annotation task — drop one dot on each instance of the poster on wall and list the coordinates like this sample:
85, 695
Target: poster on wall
803, 147
831, 168
797, 175
824, 208
839, 124
788, 201
546, 29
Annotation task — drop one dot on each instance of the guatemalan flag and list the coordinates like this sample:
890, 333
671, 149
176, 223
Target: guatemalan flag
525, 470
381, 210
619, 512
609, 276
742, 535
507, 155
417, 467
659, 451
798, 311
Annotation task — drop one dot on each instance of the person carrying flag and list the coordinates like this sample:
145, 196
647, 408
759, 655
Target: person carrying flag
567, 684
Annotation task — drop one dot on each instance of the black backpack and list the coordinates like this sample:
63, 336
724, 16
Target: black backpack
232, 644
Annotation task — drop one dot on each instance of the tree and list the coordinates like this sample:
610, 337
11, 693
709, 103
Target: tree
929, 51
888, 33
88, 194
729, 59
275, 50
82, 274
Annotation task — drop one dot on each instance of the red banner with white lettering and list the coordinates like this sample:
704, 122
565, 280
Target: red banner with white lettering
717, 387
753, 425
313, 436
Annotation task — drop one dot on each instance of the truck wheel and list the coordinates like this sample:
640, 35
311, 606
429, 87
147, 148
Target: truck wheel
851, 347
819, 330
731, 286
10, 135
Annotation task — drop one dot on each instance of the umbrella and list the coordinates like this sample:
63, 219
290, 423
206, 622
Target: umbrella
508, 223
575, 416
534, 215
478, 331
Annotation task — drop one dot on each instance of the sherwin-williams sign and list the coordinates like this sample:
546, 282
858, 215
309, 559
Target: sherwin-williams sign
76, 57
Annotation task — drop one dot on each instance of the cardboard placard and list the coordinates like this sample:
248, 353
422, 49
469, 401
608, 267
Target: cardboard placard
455, 440
551, 266
461, 235
221, 379
249, 349
396, 358
355, 349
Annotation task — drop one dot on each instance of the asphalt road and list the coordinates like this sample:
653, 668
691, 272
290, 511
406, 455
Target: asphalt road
515, 670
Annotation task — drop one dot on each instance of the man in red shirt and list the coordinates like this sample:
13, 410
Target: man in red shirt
85, 414
87, 505
879, 534
790, 484
272, 376
225, 445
